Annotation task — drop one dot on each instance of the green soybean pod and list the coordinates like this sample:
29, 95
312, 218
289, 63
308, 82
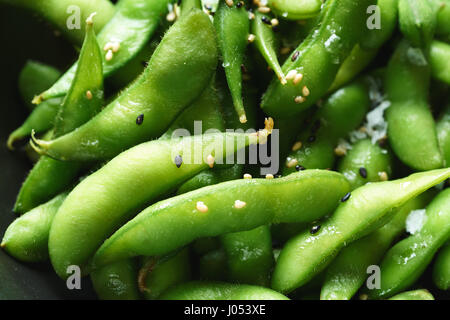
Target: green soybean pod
26, 239
439, 61
348, 271
232, 206
232, 28
84, 99
443, 131
68, 15
121, 39
197, 290
148, 107
296, 9
386, 13
188, 5
443, 18
411, 127
265, 41
413, 295
113, 194
249, 256
341, 113
212, 266
366, 162
117, 281
417, 20
34, 78
441, 269
157, 275
315, 63
306, 255
405, 262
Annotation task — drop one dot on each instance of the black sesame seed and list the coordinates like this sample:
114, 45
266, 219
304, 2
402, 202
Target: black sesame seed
266, 20
299, 168
145, 64
140, 119
239, 4
295, 55
208, 7
178, 161
346, 197
314, 229
363, 172
278, 176
311, 138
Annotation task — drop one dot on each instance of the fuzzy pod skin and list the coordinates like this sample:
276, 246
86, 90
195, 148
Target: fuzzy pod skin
156, 276
296, 9
232, 28
443, 132
411, 127
26, 239
170, 224
83, 100
414, 295
266, 42
441, 269
197, 290
318, 58
306, 255
249, 256
405, 262
114, 193
187, 51
388, 18
348, 271
341, 113
439, 57
417, 21
61, 13
132, 25
116, 281
365, 162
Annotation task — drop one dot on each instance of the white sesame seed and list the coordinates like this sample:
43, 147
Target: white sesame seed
109, 55
291, 74
247, 176
201, 207
383, 176
340, 151
108, 46
89, 94
298, 78
274, 22
251, 15
115, 47
305, 91
251, 38
292, 163
269, 176
297, 146
238, 204
299, 99
171, 16
264, 9
210, 161
229, 3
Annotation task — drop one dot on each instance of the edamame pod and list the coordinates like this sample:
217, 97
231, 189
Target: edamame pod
348, 271
212, 266
159, 274
26, 239
232, 206
84, 99
417, 20
342, 112
113, 194
440, 61
441, 269
121, 39
406, 261
147, 108
232, 28
443, 132
312, 68
411, 127
306, 255
443, 17
67, 15
249, 256
117, 281
197, 290
414, 295
366, 162
296, 9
